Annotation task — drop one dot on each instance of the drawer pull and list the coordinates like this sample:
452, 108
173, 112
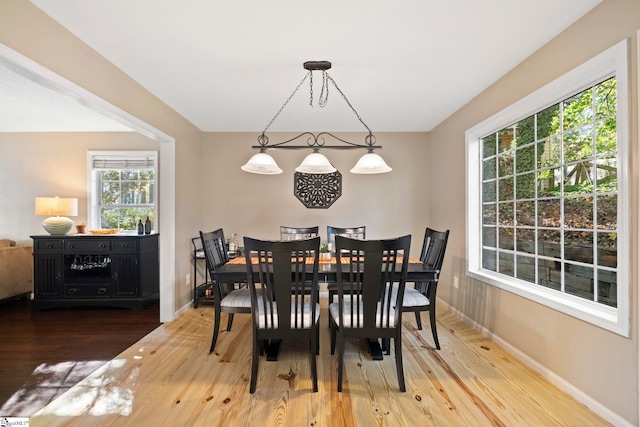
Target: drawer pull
102, 246
49, 246
71, 245
124, 245
72, 291
102, 291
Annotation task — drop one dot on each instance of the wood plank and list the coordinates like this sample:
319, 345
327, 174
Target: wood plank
43, 354
169, 378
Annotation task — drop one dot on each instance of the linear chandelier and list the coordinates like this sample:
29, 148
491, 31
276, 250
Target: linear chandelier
316, 163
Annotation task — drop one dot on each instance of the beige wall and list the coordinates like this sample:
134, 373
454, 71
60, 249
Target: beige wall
599, 363
25, 29
390, 205
50, 164
427, 187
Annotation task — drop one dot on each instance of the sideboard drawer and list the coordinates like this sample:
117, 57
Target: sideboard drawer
87, 245
87, 291
124, 245
46, 245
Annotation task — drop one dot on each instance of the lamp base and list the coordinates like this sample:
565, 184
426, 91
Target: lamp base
57, 225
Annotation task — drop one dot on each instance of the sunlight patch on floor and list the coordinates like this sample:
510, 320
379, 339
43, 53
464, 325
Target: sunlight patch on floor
97, 395
47, 382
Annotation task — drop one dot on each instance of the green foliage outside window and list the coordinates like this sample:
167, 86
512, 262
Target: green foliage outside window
126, 196
550, 193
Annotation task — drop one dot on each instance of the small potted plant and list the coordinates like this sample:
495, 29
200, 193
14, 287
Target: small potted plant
324, 252
81, 227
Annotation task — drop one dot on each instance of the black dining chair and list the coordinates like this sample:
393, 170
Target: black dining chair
296, 233
226, 297
353, 232
422, 297
368, 307
332, 232
284, 301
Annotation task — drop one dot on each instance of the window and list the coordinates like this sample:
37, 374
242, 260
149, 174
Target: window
547, 192
122, 189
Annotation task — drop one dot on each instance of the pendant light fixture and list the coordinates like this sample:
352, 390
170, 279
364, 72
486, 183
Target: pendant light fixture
316, 162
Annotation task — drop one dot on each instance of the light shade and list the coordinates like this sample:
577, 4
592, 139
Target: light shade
262, 163
58, 208
371, 163
315, 163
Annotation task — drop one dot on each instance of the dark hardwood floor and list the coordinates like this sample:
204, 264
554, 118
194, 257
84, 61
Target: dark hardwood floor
43, 354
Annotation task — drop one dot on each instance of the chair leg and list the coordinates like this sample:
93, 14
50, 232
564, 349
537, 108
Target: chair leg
418, 320
216, 328
254, 364
386, 345
330, 301
434, 331
318, 339
334, 328
340, 362
399, 368
229, 321
312, 353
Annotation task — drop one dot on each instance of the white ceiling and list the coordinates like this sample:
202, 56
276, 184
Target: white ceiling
229, 66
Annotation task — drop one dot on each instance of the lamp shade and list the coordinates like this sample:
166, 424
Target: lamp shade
57, 208
315, 163
262, 163
371, 163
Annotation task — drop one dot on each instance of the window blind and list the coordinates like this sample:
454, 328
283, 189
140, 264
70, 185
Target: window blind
122, 163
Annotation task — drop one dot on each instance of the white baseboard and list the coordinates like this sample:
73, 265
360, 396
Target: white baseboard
183, 309
551, 376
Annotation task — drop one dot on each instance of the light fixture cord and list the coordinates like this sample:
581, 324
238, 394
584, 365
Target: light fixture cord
324, 91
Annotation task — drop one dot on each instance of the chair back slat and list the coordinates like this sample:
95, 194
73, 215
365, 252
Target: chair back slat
432, 256
353, 232
433, 248
279, 268
298, 233
370, 270
215, 251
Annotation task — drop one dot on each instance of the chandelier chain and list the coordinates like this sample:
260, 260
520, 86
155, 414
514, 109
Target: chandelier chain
322, 101
348, 103
324, 92
311, 88
286, 102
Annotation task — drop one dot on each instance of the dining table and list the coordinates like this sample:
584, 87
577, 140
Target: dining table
235, 271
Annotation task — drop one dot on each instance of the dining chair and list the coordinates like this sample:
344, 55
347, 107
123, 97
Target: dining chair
367, 305
353, 232
226, 297
283, 301
296, 233
332, 232
422, 297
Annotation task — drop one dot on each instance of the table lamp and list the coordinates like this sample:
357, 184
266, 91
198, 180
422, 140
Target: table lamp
57, 209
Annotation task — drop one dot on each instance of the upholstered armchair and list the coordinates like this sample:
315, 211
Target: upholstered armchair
16, 269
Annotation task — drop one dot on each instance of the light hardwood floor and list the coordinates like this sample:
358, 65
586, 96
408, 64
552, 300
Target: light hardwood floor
169, 378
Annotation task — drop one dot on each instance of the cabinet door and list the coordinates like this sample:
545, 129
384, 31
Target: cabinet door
125, 275
47, 273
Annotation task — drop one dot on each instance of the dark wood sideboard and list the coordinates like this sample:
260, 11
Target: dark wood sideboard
120, 270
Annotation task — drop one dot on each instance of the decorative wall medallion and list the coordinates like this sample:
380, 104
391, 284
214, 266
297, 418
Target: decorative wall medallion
317, 190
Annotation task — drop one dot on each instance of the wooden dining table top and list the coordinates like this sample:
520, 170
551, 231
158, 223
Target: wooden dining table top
235, 270
242, 260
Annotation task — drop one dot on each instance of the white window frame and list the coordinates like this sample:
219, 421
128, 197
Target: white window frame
93, 217
612, 62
